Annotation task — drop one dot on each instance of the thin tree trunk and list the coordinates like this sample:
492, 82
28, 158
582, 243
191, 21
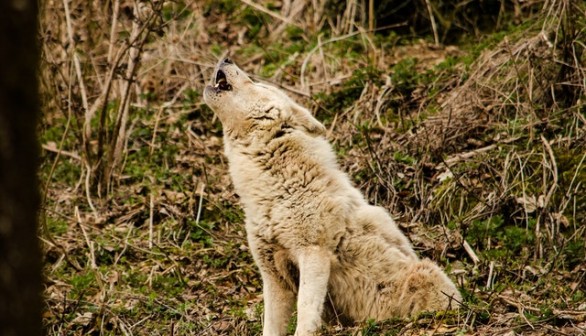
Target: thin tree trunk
20, 266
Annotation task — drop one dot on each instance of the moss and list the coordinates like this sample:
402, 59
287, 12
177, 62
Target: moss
57, 226
575, 252
66, 171
84, 284
503, 237
168, 284
200, 232
404, 158
348, 93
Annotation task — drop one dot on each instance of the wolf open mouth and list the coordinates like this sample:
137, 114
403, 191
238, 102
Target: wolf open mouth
222, 82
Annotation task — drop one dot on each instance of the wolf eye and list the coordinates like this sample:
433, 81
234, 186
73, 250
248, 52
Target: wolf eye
264, 117
270, 113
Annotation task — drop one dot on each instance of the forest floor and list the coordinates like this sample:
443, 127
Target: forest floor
476, 144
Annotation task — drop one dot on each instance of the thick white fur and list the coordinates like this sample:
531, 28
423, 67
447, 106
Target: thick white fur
312, 234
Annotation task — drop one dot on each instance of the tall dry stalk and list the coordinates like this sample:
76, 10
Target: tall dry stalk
143, 24
104, 81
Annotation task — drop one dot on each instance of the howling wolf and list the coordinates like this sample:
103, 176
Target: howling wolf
312, 234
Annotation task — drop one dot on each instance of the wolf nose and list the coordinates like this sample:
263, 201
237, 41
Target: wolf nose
228, 61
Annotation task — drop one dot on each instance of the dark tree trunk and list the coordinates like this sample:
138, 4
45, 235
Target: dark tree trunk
20, 266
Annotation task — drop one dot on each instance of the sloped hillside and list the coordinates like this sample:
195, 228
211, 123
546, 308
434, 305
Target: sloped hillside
466, 120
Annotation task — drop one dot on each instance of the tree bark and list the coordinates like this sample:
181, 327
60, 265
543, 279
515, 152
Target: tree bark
20, 265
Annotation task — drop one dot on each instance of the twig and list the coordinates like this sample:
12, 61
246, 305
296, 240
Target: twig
323, 59
329, 132
433, 24
271, 13
335, 39
554, 171
490, 279
52, 148
119, 138
380, 101
471, 252
371, 15
349, 15
151, 211
464, 156
143, 319
130, 226
125, 330
64, 253
569, 192
87, 190
199, 207
90, 244
120, 131
76, 63
113, 30
102, 101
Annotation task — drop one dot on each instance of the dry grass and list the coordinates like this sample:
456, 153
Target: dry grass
479, 151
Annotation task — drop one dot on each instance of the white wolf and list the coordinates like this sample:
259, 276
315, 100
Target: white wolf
312, 234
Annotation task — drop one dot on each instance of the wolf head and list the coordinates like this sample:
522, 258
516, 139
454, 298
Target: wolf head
247, 108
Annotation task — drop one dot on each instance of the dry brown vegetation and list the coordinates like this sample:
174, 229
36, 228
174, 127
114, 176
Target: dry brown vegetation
465, 119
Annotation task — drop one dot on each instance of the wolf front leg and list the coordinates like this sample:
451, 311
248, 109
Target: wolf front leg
278, 305
314, 273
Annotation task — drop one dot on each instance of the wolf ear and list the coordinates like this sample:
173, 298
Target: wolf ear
302, 119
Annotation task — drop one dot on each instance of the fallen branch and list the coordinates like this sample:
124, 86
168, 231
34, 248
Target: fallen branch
51, 147
471, 252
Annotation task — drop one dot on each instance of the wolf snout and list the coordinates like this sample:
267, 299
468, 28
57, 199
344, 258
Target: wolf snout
221, 82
